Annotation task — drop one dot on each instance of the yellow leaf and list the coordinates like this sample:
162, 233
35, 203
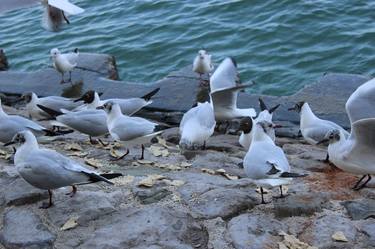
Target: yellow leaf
123, 180
291, 242
71, 223
209, 171
73, 147
339, 236
145, 162
150, 180
93, 162
78, 154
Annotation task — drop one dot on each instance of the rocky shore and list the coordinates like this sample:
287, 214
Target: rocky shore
185, 200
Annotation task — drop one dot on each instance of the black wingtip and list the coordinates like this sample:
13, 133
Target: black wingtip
273, 109
293, 175
50, 133
233, 61
149, 95
111, 175
262, 105
49, 111
97, 178
273, 170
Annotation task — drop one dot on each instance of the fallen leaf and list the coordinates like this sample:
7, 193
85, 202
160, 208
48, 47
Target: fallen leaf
93, 162
339, 236
73, 147
291, 242
220, 171
163, 142
71, 223
265, 191
145, 162
114, 153
230, 177
158, 151
186, 165
150, 180
78, 153
123, 180
5, 155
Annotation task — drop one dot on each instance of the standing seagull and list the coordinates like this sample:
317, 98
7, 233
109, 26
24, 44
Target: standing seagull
196, 126
314, 129
48, 169
129, 129
246, 124
265, 162
202, 63
54, 13
224, 92
128, 106
53, 102
64, 62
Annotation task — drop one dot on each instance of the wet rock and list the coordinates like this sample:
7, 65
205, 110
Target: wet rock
148, 227
254, 231
221, 202
360, 209
299, 204
3, 61
20, 192
24, 229
320, 233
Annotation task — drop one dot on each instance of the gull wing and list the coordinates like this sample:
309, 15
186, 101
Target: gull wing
224, 76
363, 133
66, 6
203, 113
227, 98
361, 103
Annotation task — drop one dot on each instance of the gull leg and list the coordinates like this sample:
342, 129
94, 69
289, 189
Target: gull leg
74, 191
49, 204
357, 184
121, 157
364, 184
92, 141
262, 193
102, 143
281, 193
143, 152
62, 78
327, 158
204, 144
70, 76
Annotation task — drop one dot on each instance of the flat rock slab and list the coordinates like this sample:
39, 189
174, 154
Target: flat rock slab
24, 229
148, 227
19, 192
360, 209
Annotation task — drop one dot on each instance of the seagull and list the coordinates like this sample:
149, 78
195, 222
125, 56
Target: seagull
48, 169
128, 106
246, 124
313, 129
129, 129
11, 124
224, 92
356, 153
196, 126
202, 63
64, 62
54, 13
91, 122
52, 102
265, 162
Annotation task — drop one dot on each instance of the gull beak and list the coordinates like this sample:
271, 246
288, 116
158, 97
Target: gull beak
100, 94
322, 141
292, 109
9, 143
100, 108
77, 100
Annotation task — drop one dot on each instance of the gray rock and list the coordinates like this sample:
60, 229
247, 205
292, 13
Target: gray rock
148, 227
299, 204
151, 195
24, 229
7, 5
20, 192
368, 228
216, 229
320, 233
250, 231
220, 202
360, 209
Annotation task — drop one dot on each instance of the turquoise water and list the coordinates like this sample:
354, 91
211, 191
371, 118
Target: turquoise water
282, 45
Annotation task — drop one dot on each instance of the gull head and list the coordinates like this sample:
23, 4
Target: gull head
297, 107
331, 137
21, 138
87, 98
246, 125
55, 52
266, 126
27, 97
107, 107
202, 53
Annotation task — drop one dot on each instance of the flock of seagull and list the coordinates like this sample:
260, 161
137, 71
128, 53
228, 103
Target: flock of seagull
264, 162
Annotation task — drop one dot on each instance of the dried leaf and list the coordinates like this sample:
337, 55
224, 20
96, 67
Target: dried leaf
123, 180
209, 171
265, 191
339, 236
150, 180
163, 142
114, 153
73, 147
78, 153
230, 177
291, 242
71, 223
220, 171
186, 165
93, 162
145, 162
5, 155
158, 151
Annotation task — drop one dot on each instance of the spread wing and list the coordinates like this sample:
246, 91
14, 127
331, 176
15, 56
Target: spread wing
361, 103
66, 6
227, 98
224, 76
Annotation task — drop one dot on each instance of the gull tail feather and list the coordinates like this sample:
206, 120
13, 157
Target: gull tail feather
49, 111
292, 175
93, 177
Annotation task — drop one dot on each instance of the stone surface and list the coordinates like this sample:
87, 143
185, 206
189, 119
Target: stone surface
360, 209
24, 229
368, 228
147, 228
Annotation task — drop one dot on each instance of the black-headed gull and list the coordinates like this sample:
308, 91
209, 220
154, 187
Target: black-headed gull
64, 62
48, 169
